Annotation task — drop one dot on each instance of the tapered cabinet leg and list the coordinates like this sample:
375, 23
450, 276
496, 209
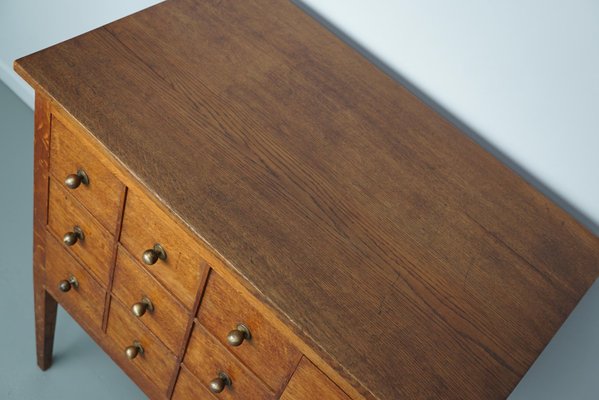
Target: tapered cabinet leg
45, 324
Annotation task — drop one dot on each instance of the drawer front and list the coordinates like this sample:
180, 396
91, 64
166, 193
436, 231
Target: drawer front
309, 383
206, 358
82, 297
95, 248
155, 361
267, 352
102, 194
188, 387
155, 307
145, 225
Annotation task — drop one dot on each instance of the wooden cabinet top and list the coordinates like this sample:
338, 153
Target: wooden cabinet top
409, 258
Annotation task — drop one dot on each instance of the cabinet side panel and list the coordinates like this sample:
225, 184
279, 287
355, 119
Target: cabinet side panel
45, 305
41, 157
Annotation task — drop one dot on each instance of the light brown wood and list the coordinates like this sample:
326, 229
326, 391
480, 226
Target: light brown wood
45, 305
95, 251
191, 322
206, 357
102, 196
188, 387
156, 362
169, 319
86, 314
144, 224
113, 257
309, 383
87, 300
268, 353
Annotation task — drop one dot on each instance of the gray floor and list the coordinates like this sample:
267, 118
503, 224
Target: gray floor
567, 369
81, 370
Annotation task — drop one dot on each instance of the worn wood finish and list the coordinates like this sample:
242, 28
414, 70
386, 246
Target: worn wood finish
309, 383
131, 283
268, 353
102, 195
65, 212
335, 195
190, 323
115, 246
188, 387
206, 357
89, 323
46, 112
44, 303
156, 362
88, 298
144, 224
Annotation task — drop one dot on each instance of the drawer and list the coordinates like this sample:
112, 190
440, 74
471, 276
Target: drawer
72, 286
102, 194
188, 387
95, 249
154, 361
155, 307
145, 225
309, 383
206, 358
268, 353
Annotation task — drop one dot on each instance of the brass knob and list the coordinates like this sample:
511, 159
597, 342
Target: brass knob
152, 255
73, 181
238, 335
140, 308
134, 350
70, 238
66, 285
219, 384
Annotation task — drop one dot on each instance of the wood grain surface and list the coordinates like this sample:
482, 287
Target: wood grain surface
206, 357
79, 309
404, 254
87, 299
267, 353
156, 361
169, 319
103, 193
309, 383
188, 387
45, 305
95, 250
145, 225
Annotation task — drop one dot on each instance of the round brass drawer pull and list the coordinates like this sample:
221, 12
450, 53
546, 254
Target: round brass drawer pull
237, 336
134, 350
219, 384
140, 308
70, 238
152, 255
73, 181
66, 285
